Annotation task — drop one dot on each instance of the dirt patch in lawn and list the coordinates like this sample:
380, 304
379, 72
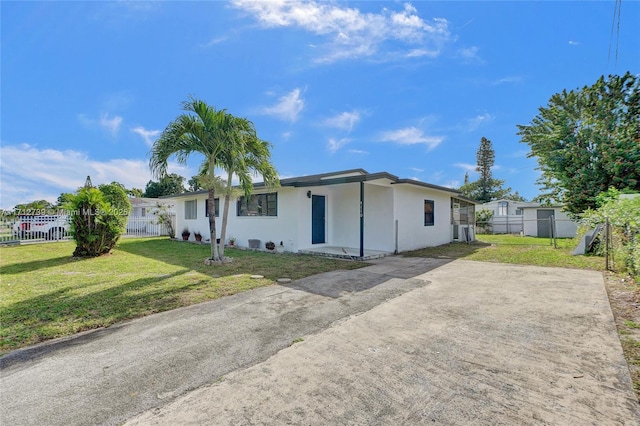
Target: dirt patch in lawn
624, 297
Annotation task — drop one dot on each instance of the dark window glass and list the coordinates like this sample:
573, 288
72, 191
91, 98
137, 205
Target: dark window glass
216, 202
258, 205
429, 219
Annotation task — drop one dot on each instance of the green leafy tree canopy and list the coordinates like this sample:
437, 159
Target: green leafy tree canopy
168, 184
587, 141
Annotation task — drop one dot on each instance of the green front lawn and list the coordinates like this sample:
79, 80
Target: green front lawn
48, 294
515, 249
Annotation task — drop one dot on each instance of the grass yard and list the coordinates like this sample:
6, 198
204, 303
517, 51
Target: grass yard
48, 294
515, 249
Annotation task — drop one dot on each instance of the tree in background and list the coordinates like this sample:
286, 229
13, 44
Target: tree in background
486, 188
485, 159
34, 207
168, 184
587, 141
135, 192
64, 199
99, 217
194, 185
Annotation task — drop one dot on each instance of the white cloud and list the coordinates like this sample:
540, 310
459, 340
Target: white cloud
215, 41
111, 125
411, 136
149, 136
470, 54
416, 53
350, 33
453, 184
574, 43
477, 121
466, 167
344, 121
358, 151
288, 106
286, 136
416, 169
29, 173
335, 144
510, 79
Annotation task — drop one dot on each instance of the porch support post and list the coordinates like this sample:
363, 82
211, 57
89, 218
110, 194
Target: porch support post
361, 219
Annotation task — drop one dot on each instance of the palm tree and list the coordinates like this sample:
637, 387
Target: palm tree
245, 155
206, 132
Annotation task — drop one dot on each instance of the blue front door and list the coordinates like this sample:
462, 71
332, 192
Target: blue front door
318, 213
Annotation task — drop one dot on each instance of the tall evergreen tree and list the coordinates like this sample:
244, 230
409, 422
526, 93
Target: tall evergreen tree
485, 158
486, 188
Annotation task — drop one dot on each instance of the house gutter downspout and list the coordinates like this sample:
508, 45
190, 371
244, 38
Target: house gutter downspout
361, 219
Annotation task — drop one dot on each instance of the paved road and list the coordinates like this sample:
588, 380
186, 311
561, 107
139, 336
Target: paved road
109, 375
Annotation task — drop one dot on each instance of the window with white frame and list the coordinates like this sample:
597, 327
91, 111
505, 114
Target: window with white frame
503, 208
191, 209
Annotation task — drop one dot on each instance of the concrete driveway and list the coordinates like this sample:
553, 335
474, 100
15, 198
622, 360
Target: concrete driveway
398, 342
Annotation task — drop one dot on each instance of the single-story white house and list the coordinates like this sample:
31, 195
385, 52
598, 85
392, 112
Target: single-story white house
531, 219
143, 221
143, 207
352, 213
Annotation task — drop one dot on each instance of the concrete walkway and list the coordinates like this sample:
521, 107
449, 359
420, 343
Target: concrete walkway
398, 342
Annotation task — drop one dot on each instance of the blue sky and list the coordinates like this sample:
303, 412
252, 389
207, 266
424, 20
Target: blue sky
407, 88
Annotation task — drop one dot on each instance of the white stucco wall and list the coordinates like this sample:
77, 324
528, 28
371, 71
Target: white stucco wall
384, 204
200, 224
409, 211
344, 215
282, 227
264, 228
379, 228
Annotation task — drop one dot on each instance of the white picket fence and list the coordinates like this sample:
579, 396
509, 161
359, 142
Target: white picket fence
15, 230
147, 226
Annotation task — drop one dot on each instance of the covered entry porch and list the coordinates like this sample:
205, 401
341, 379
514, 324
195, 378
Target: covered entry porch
346, 216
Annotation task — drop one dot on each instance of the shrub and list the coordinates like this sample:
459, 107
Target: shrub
99, 217
165, 218
483, 220
624, 219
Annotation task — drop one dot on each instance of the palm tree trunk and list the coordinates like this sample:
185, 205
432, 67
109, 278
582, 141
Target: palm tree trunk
212, 216
225, 215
